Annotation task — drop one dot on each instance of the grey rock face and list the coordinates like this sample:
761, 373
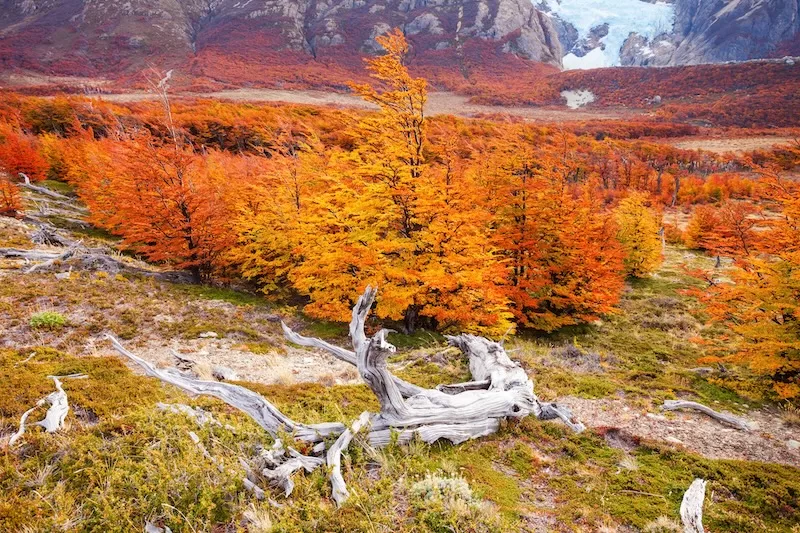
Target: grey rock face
309, 26
734, 30
715, 31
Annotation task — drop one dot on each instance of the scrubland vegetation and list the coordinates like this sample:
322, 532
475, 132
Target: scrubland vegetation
619, 272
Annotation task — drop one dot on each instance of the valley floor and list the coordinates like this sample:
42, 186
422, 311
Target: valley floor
122, 462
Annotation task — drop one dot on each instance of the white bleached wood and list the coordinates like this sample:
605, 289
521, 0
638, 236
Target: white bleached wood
21, 431
338, 487
56, 414
59, 406
41, 190
734, 421
257, 491
61, 257
251, 403
692, 507
500, 389
406, 389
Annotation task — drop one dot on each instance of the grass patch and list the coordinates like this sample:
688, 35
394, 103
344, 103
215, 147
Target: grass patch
59, 187
48, 320
325, 329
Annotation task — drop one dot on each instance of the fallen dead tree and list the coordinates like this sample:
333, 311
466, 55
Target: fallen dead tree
730, 420
82, 258
500, 390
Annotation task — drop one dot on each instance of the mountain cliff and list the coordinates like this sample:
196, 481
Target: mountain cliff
320, 43
599, 33
107, 37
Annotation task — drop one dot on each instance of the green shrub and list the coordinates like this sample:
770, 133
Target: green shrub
50, 320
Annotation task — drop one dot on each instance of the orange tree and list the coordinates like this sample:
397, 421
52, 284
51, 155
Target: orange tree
401, 214
166, 201
10, 202
564, 263
761, 302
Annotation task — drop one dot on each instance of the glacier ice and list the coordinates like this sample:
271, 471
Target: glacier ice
623, 18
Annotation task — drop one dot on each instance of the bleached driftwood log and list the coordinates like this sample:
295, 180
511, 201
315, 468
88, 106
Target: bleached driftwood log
500, 390
734, 421
61, 257
692, 507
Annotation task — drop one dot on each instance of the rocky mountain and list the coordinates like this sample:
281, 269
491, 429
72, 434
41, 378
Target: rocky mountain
597, 33
321, 42
102, 37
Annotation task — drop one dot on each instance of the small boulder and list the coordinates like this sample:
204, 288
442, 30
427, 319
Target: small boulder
208, 335
223, 373
793, 444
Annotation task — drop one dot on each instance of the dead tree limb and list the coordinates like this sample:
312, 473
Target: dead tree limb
21, 431
734, 421
61, 257
692, 507
251, 403
59, 406
26, 182
500, 389
334, 458
56, 414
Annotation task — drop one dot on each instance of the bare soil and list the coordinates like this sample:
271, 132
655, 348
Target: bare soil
736, 145
692, 430
439, 103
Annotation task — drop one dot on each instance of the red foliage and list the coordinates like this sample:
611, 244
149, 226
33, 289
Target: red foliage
18, 154
10, 202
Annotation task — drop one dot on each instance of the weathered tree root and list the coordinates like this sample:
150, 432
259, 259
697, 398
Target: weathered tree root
500, 389
56, 414
692, 507
734, 421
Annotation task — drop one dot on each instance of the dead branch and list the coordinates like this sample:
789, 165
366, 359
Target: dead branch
56, 414
41, 190
61, 257
334, 458
692, 507
738, 423
59, 406
21, 431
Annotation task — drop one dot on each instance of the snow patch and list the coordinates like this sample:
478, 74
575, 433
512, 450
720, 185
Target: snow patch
576, 99
623, 18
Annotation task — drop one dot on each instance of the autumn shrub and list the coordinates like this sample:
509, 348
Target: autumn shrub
10, 201
19, 154
701, 225
760, 302
673, 234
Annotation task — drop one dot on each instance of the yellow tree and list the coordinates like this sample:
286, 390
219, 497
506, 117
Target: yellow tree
638, 233
276, 193
400, 214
